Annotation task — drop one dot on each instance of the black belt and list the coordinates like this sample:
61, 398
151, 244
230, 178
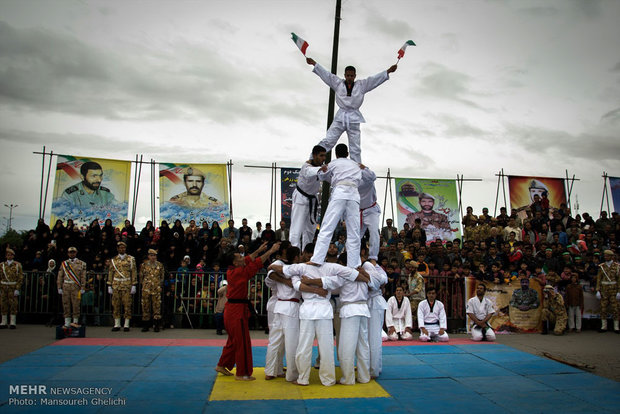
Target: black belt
289, 300
246, 301
425, 323
313, 201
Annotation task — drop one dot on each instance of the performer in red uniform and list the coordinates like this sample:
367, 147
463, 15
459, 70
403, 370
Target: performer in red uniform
238, 348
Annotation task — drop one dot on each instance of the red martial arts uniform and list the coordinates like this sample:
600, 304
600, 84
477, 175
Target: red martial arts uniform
238, 348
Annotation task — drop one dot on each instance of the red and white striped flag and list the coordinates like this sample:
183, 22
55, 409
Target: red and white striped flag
301, 43
401, 52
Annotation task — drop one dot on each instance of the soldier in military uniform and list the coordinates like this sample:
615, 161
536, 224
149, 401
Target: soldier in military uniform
194, 181
417, 291
607, 291
10, 284
122, 280
554, 311
525, 298
151, 279
427, 215
89, 192
71, 280
470, 220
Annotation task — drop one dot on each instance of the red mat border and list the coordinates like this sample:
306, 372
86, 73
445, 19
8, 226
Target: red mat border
222, 342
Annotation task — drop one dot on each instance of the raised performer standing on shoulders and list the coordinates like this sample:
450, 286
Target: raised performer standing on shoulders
305, 200
349, 98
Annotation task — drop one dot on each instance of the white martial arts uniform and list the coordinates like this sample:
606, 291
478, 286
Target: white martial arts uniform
399, 317
345, 176
432, 319
354, 315
370, 211
315, 321
480, 309
303, 220
348, 117
377, 306
275, 348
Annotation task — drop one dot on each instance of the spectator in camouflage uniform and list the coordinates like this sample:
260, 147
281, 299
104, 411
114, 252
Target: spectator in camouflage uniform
10, 284
152, 280
554, 311
71, 280
607, 292
417, 291
122, 280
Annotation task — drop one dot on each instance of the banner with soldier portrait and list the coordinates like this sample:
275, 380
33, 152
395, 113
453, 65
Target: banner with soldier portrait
194, 192
614, 186
518, 305
86, 189
523, 192
288, 182
434, 202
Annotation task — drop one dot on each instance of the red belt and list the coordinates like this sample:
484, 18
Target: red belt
289, 300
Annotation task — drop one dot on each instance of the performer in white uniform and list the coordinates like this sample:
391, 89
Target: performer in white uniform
370, 212
377, 306
398, 317
305, 200
345, 176
275, 348
286, 317
315, 318
432, 318
354, 315
349, 98
480, 310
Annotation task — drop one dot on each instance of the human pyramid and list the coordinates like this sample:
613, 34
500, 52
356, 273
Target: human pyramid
311, 297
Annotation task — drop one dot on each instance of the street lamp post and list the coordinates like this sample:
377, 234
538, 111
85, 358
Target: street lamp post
11, 207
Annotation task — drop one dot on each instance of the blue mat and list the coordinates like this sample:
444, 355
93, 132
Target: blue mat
440, 378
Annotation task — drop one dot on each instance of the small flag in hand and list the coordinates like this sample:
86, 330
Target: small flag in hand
301, 43
401, 52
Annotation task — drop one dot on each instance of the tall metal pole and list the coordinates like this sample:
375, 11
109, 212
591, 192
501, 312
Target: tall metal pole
11, 207
332, 100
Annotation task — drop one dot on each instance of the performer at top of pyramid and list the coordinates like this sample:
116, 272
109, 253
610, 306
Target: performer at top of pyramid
349, 98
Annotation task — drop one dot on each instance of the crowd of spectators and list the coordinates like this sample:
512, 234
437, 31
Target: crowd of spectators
548, 245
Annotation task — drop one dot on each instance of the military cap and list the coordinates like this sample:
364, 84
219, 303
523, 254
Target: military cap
9, 250
414, 263
609, 252
72, 249
152, 251
549, 287
189, 171
121, 243
538, 184
426, 195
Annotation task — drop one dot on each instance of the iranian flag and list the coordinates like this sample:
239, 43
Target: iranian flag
401, 52
301, 43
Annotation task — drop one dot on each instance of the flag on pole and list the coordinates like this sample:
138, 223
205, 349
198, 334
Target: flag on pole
401, 52
301, 43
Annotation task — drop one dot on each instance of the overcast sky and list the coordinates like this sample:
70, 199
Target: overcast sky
532, 87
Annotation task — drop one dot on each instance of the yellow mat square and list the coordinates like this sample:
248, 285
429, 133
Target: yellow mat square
227, 389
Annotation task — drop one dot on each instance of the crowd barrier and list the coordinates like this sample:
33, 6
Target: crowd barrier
188, 299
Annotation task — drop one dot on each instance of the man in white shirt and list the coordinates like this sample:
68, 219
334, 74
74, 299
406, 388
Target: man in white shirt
370, 212
305, 200
345, 176
354, 315
284, 331
377, 306
398, 317
432, 318
480, 310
